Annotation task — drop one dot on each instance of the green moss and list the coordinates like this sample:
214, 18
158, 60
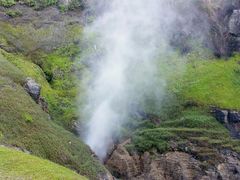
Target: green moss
193, 119
28, 69
7, 3
192, 125
71, 5
42, 137
58, 68
211, 82
25, 125
7, 69
149, 139
17, 165
54, 70
14, 13
28, 118
27, 39
59, 91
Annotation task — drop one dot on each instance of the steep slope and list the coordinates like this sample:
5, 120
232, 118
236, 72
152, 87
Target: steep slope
212, 82
45, 54
18, 165
25, 125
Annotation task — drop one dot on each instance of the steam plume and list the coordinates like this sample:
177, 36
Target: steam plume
129, 36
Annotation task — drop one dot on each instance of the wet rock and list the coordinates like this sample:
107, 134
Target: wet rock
234, 117
33, 89
221, 115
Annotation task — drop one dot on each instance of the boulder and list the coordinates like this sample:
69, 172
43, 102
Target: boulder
33, 89
234, 23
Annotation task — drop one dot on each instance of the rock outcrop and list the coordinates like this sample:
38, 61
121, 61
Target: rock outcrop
34, 90
122, 164
234, 23
172, 166
230, 118
224, 25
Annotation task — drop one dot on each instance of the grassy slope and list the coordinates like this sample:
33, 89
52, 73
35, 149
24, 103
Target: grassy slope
18, 165
206, 83
25, 125
212, 82
193, 125
46, 54
50, 62
40, 4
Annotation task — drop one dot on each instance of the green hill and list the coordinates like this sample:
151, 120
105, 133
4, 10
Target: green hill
18, 165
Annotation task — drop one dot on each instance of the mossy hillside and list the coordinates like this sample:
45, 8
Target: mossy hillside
211, 82
7, 3
60, 70
28, 39
47, 55
25, 125
18, 165
41, 4
200, 82
193, 125
14, 13
7, 69
57, 78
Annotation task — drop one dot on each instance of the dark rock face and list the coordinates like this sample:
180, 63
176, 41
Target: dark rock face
221, 115
234, 117
33, 89
231, 119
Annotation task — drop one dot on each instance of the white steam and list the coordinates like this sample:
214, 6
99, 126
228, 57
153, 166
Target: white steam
128, 36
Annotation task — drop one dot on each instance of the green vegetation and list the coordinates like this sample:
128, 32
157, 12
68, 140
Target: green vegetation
30, 41
54, 70
27, 117
213, 82
23, 123
199, 83
41, 4
193, 125
7, 3
14, 13
18, 165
